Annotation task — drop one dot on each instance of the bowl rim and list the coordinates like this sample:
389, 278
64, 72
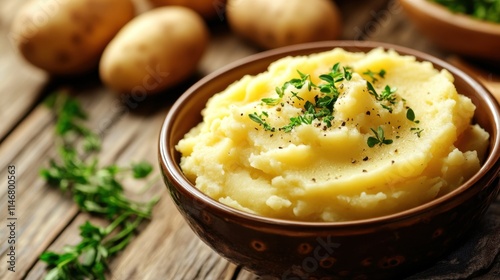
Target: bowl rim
170, 166
460, 20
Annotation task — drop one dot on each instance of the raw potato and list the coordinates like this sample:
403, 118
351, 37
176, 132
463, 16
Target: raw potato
156, 50
68, 37
277, 23
206, 8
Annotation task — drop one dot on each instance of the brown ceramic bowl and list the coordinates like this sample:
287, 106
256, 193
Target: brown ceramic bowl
379, 248
458, 33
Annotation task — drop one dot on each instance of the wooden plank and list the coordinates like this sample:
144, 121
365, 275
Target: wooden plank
20, 78
21, 83
33, 226
112, 153
166, 244
168, 249
68, 237
361, 17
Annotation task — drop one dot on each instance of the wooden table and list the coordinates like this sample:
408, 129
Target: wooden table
166, 248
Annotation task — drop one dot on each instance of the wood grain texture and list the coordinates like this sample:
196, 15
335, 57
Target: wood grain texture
166, 248
21, 83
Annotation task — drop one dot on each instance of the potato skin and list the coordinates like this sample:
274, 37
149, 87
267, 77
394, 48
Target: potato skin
206, 8
278, 23
67, 37
156, 50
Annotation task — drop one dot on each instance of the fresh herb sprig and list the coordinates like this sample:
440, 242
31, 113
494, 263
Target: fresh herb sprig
96, 190
261, 120
321, 109
387, 96
88, 259
379, 138
298, 83
373, 75
70, 117
330, 89
410, 115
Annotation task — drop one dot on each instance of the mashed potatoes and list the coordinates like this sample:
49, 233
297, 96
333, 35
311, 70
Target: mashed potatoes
335, 136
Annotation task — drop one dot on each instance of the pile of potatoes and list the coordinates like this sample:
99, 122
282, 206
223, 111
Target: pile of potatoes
162, 46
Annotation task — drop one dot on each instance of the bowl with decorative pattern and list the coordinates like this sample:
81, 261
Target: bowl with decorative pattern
383, 247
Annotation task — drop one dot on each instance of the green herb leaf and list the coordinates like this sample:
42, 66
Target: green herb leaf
141, 169
294, 121
348, 73
271, 101
418, 131
372, 74
371, 90
410, 115
378, 139
259, 119
372, 141
388, 94
279, 92
90, 257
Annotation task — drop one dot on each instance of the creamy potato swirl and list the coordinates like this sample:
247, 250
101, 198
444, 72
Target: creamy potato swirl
326, 169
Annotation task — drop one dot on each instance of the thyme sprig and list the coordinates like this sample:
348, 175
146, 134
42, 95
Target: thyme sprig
70, 117
96, 190
379, 138
298, 83
386, 97
372, 74
261, 120
88, 259
410, 115
321, 109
